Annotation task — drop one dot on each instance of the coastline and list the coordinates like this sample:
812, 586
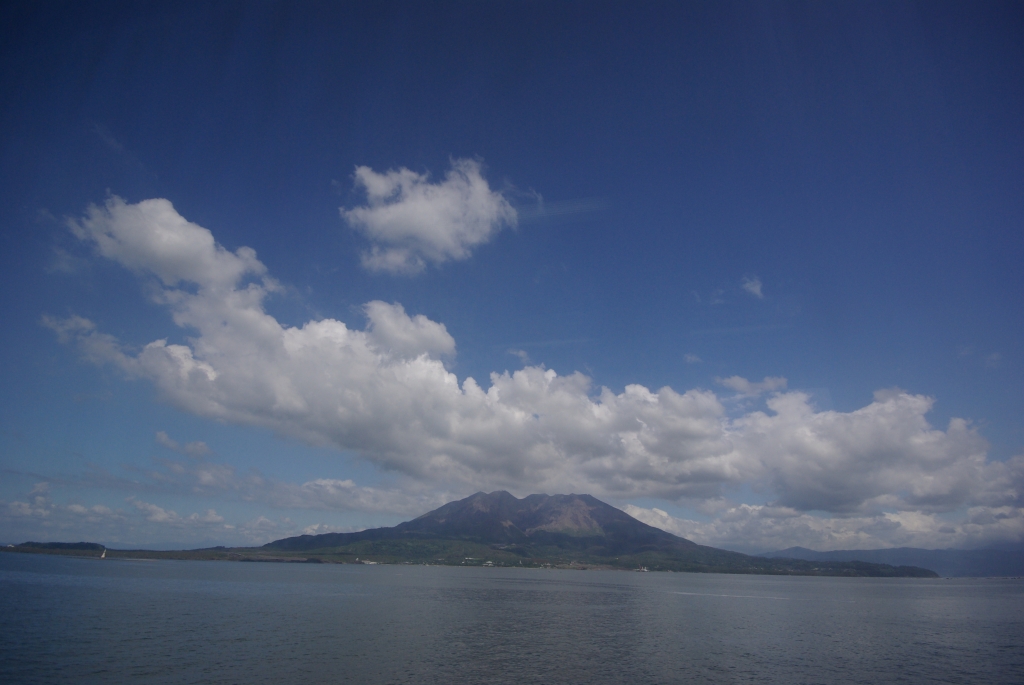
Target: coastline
483, 557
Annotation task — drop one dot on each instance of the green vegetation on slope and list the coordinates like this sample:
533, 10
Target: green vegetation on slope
468, 553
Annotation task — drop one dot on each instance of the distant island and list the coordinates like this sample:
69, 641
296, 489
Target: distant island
498, 529
949, 563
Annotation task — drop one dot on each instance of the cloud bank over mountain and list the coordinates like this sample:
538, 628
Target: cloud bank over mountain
383, 392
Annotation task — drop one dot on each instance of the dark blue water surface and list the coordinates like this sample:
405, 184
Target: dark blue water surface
85, 620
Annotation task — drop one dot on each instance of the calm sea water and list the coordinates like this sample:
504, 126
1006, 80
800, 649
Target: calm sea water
79, 620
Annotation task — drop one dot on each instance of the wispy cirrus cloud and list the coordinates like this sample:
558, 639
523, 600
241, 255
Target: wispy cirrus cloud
142, 523
204, 478
411, 222
762, 528
746, 388
543, 210
753, 285
39, 517
192, 449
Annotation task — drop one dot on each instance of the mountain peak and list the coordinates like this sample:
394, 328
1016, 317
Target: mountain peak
501, 518
568, 527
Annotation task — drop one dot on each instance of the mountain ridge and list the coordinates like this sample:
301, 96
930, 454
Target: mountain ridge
949, 563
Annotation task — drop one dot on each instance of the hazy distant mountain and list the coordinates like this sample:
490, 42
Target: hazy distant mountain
73, 546
561, 529
948, 563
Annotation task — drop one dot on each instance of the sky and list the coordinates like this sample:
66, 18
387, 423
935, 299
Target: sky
750, 271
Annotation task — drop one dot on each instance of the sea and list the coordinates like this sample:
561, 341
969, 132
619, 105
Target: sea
75, 620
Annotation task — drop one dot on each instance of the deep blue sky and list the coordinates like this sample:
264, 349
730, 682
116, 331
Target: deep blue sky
863, 162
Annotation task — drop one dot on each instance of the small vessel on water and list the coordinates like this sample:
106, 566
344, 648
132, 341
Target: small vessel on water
104, 555
641, 569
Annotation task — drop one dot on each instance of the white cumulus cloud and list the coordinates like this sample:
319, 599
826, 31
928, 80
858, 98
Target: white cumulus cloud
384, 393
411, 222
151, 237
394, 332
